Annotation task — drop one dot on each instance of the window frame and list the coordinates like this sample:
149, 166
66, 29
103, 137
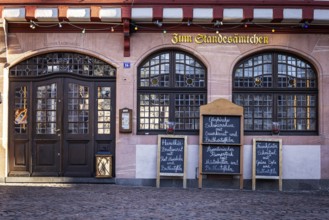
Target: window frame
276, 91
171, 91
77, 64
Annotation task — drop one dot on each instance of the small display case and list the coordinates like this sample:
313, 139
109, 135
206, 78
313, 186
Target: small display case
103, 165
125, 120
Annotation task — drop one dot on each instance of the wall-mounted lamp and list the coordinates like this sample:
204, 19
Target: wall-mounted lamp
305, 25
218, 23
159, 23
32, 25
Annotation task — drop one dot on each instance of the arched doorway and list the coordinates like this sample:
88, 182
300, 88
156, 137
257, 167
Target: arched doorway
61, 113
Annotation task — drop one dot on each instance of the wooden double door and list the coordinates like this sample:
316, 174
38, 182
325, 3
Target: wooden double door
58, 125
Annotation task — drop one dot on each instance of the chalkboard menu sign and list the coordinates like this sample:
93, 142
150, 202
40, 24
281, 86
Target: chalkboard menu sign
267, 159
221, 144
171, 156
221, 129
221, 159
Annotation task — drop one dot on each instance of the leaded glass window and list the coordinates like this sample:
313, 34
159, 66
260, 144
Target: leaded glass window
60, 62
171, 87
277, 87
46, 109
21, 114
104, 110
78, 109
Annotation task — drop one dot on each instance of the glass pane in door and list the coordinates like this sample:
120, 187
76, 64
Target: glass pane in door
78, 109
21, 119
104, 110
46, 109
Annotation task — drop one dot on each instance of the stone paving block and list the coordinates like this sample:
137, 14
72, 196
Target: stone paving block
108, 201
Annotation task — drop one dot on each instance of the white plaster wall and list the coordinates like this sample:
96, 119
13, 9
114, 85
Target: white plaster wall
301, 162
247, 161
298, 161
146, 161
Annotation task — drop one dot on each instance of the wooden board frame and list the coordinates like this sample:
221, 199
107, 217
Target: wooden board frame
221, 108
159, 174
254, 174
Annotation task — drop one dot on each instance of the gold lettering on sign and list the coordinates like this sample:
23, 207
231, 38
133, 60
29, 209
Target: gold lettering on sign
181, 39
220, 39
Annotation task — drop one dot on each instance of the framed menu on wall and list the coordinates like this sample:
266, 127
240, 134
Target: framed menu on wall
125, 120
221, 140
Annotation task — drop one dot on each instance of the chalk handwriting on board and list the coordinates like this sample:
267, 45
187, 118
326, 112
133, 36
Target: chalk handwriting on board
172, 155
267, 158
221, 129
221, 159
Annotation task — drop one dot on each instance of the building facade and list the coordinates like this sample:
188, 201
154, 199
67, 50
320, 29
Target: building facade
70, 68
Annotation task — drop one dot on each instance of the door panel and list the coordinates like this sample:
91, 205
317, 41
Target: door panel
78, 153
78, 146
19, 141
46, 154
46, 145
20, 150
104, 119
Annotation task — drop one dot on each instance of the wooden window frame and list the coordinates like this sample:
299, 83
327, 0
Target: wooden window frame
276, 91
171, 91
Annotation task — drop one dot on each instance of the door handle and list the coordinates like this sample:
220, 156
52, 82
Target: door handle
57, 130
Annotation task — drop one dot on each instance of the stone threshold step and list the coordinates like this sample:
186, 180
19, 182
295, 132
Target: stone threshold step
58, 180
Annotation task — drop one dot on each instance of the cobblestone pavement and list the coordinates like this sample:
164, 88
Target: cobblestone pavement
107, 201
